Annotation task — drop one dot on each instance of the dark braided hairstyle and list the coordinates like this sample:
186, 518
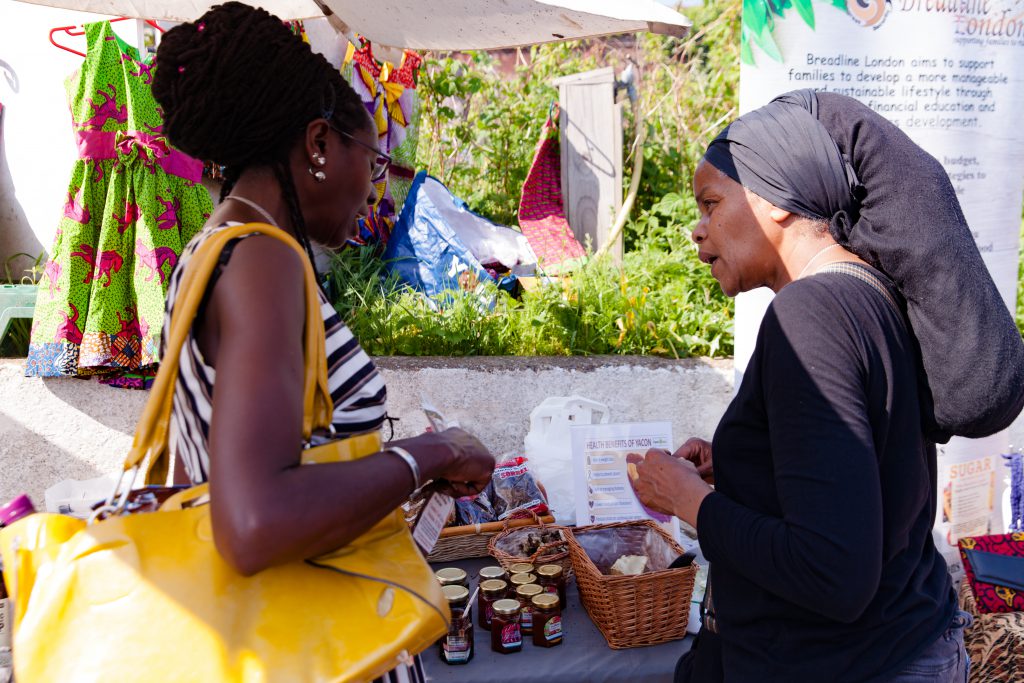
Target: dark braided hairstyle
237, 87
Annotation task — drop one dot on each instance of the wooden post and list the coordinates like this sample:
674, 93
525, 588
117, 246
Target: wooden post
591, 135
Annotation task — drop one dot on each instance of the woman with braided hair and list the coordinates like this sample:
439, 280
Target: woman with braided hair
300, 151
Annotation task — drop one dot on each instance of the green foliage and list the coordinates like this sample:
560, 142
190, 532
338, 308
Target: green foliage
657, 302
15, 342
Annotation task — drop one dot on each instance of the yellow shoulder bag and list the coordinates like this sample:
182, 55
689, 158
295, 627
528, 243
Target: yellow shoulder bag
148, 597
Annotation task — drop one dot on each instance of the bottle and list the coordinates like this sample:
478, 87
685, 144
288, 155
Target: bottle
9, 514
547, 620
552, 579
521, 568
456, 647
490, 592
526, 594
517, 580
452, 576
506, 636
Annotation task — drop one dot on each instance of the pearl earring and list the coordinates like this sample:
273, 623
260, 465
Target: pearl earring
319, 159
318, 176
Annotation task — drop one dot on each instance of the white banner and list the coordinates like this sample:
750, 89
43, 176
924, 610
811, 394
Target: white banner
949, 73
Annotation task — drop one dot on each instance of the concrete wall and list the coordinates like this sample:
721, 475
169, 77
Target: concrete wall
55, 429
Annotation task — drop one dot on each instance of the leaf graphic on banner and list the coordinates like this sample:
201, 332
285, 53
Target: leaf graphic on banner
840, 4
755, 15
746, 54
765, 41
806, 11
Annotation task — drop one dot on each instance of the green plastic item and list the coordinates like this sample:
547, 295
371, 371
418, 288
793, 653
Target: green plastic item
16, 301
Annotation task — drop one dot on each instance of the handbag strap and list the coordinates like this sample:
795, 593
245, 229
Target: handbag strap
864, 274
152, 431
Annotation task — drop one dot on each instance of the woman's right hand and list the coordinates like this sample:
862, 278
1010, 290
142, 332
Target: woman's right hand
468, 470
698, 451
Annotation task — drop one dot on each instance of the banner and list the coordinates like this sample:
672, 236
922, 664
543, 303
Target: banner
950, 74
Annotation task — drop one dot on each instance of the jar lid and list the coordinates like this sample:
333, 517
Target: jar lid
455, 593
493, 586
529, 590
492, 572
521, 568
522, 579
554, 570
450, 575
506, 608
546, 600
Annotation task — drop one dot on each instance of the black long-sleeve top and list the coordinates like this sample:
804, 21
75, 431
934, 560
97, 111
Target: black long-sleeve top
819, 532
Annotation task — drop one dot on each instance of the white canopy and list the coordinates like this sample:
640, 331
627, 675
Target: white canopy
434, 24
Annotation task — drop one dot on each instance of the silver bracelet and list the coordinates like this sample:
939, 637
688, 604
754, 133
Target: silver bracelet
410, 461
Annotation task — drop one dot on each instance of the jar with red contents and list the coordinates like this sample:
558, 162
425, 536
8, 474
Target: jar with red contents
490, 592
456, 647
526, 594
551, 578
506, 633
547, 620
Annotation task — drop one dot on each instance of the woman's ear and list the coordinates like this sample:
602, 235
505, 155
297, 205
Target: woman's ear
779, 215
316, 136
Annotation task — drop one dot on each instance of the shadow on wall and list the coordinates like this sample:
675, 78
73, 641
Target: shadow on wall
115, 409
31, 462
16, 236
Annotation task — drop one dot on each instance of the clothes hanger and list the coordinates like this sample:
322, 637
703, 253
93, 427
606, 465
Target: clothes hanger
77, 31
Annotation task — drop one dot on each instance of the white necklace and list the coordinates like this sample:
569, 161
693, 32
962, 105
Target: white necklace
256, 207
815, 258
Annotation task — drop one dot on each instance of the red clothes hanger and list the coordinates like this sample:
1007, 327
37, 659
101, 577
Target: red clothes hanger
77, 31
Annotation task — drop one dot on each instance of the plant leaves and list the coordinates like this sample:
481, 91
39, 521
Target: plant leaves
804, 8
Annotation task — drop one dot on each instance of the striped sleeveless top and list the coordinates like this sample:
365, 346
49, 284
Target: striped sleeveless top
356, 386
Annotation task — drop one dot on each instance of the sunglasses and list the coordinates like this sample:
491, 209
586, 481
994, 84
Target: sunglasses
380, 164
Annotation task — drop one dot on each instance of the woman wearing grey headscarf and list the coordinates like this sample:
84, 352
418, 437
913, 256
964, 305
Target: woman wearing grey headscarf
819, 528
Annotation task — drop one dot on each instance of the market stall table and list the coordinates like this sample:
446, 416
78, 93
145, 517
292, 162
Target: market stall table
583, 657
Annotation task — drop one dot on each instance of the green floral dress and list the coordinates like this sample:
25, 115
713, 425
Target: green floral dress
133, 204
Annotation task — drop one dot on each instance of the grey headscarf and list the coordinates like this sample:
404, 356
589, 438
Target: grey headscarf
804, 152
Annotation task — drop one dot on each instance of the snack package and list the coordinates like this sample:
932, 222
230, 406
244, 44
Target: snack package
516, 489
477, 509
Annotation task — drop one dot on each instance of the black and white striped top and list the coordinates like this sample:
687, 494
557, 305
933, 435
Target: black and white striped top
356, 386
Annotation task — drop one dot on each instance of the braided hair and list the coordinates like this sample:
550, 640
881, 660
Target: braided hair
237, 87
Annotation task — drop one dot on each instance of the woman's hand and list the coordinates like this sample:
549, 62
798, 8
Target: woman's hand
668, 483
468, 469
698, 451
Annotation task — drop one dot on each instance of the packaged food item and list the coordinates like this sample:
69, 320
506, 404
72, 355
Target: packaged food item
490, 592
506, 633
547, 620
452, 576
516, 489
478, 509
456, 647
526, 594
551, 577
629, 565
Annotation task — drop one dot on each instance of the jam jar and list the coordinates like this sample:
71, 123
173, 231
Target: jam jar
506, 635
551, 577
456, 647
452, 576
492, 572
522, 580
547, 620
521, 568
526, 594
490, 592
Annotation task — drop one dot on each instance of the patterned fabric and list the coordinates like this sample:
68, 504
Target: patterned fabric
132, 205
356, 386
995, 643
541, 214
389, 94
991, 598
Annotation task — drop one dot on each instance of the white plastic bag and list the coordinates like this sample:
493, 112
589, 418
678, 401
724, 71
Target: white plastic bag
76, 498
549, 447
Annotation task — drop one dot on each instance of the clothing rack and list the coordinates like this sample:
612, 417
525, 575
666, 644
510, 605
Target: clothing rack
74, 30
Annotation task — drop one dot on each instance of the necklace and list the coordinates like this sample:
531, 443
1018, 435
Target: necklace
815, 258
256, 207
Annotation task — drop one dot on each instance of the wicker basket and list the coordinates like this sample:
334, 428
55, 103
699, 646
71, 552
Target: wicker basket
465, 542
556, 552
634, 611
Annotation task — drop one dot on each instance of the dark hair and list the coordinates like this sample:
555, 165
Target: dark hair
237, 88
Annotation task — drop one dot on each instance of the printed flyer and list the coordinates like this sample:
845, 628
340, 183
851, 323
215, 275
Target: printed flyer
601, 473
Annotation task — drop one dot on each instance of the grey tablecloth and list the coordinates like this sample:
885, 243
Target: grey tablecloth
583, 656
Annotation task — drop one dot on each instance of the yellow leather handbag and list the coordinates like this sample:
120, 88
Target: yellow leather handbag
148, 597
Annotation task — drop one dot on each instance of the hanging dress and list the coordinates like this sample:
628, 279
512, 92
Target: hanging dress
132, 205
